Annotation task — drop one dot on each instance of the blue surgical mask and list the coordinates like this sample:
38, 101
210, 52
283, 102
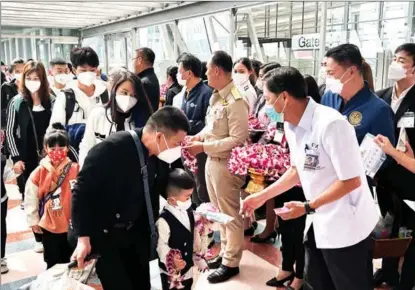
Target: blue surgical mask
272, 114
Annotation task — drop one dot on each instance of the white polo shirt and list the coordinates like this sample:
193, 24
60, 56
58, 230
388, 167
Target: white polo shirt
324, 149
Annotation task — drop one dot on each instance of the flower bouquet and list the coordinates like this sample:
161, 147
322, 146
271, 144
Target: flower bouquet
189, 161
175, 278
263, 162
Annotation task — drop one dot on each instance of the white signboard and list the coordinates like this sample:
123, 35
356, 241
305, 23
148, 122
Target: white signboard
306, 41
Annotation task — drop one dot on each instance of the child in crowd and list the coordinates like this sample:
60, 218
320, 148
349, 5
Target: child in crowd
48, 196
179, 243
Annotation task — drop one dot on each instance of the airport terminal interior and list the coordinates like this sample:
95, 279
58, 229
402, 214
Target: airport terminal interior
296, 33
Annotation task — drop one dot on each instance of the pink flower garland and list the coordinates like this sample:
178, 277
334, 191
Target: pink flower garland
189, 160
255, 124
270, 159
175, 278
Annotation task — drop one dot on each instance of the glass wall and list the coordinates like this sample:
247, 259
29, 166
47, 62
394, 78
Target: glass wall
377, 28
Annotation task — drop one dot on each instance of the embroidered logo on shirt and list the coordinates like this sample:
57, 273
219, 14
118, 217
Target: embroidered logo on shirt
355, 118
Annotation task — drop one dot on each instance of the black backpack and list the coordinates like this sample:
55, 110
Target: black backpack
8, 91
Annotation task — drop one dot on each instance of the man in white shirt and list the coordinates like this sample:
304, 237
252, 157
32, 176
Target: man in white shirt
325, 158
59, 74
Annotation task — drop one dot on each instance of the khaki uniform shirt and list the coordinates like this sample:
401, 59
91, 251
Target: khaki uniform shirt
226, 122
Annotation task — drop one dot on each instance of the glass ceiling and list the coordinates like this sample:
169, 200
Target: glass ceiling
75, 15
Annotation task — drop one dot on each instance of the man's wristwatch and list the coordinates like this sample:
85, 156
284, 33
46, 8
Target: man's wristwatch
308, 209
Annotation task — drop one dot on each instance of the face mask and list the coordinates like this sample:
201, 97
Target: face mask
125, 103
240, 79
57, 156
272, 114
18, 76
322, 76
170, 154
180, 80
184, 205
259, 84
396, 72
87, 78
335, 85
62, 79
32, 86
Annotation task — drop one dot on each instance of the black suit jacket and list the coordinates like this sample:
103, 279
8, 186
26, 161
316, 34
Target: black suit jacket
109, 188
396, 178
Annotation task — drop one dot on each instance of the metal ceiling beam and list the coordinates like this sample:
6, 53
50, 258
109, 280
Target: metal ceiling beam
166, 15
53, 37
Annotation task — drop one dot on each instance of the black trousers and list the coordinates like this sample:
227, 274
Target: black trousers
292, 235
338, 269
3, 227
166, 285
56, 249
124, 260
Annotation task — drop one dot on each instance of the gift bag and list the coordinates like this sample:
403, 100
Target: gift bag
61, 276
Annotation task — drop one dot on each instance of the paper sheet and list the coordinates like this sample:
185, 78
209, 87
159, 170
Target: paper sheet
372, 155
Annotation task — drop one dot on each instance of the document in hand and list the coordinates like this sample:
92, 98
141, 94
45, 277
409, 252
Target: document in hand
216, 217
372, 155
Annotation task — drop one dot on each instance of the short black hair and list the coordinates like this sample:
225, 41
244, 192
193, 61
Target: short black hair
3, 78
222, 60
147, 54
179, 180
269, 67
286, 79
180, 56
15, 62
409, 48
57, 61
172, 72
312, 88
2, 63
245, 61
256, 65
81, 56
169, 119
56, 136
346, 55
204, 70
192, 63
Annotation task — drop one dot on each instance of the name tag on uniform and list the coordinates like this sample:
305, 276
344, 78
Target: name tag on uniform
407, 120
279, 134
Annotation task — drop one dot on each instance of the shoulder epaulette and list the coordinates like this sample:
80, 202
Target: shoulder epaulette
236, 94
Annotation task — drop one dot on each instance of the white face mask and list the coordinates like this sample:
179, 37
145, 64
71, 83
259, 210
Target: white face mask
322, 76
87, 78
240, 79
170, 154
18, 76
32, 86
62, 79
259, 84
334, 85
180, 80
125, 103
396, 72
184, 205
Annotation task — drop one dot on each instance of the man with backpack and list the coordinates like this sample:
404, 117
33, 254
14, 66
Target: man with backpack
74, 104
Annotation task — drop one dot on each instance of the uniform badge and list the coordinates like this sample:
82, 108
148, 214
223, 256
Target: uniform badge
355, 118
223, 102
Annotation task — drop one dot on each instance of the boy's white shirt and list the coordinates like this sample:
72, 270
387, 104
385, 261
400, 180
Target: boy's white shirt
98, 122
86, 103
164, 234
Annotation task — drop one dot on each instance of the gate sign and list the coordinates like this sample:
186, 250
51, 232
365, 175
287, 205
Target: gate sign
306, 41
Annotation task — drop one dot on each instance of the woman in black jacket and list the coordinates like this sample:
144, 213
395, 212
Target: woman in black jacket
27, 120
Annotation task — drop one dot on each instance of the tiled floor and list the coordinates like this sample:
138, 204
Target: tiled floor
259, 262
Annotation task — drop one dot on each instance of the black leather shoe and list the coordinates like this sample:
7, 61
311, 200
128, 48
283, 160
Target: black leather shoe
223, 274
270, 239
280, 283
215, 262
251, 230
380, 277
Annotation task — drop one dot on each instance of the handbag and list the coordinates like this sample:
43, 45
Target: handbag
44, 200
144, 174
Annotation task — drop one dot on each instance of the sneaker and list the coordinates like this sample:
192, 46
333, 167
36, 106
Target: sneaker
22, 206
4, 268
38, 247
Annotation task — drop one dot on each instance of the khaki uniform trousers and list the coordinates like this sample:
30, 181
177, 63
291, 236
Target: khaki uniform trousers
224, 192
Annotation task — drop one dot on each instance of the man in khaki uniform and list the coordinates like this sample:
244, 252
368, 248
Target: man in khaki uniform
226, 127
